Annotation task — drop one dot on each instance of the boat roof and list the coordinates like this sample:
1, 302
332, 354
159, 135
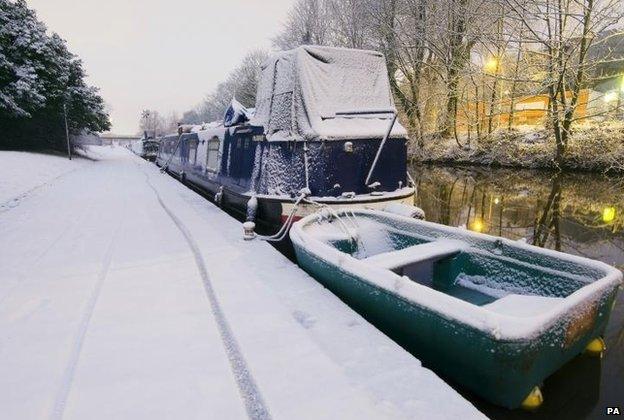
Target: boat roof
325, 93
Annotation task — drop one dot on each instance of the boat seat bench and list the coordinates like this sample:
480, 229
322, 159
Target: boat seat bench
434, 250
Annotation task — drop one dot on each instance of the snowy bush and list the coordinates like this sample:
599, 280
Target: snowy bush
592, 147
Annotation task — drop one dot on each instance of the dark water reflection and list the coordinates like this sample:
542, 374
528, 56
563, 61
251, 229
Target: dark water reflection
581, 214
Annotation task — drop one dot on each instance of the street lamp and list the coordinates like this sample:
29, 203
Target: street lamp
608, 214
477, 225
491, 65
145, 114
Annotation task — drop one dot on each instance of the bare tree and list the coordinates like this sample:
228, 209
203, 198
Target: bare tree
241, 84
350, 24
308, 22
459, 67
243, 81
563, 33
171, 123
401, 35
152, 123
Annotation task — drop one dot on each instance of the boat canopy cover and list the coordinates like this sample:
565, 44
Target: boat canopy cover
326, 93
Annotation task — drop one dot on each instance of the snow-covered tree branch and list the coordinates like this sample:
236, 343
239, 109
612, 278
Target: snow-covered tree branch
40, 79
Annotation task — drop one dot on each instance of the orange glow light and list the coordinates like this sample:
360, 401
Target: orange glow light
491, 66
477, 225
608, 214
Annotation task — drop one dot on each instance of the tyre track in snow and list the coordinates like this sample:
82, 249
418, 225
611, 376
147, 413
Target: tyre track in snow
70, 370
254, 403
35, 261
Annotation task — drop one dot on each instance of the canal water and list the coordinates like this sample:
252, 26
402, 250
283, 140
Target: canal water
578, 213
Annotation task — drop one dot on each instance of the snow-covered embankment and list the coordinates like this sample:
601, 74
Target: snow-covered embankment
124, 294
23, 172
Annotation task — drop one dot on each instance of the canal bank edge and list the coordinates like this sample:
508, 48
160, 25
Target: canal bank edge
592, 147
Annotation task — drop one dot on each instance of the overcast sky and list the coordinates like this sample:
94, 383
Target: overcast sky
160, 54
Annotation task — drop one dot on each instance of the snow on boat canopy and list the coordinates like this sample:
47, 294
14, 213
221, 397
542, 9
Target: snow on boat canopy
494, 315
324, 131
321, 93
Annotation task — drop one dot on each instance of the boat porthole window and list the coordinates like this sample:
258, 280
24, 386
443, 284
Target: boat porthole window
212, 159
192, 154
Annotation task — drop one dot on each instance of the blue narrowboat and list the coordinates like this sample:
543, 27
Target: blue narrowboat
324, 131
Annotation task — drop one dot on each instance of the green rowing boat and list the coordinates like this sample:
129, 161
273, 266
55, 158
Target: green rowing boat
493, 315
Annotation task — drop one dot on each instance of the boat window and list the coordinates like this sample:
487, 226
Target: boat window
212, 160
192, 155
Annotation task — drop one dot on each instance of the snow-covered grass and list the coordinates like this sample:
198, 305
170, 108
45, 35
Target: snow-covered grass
23, 172
592, 147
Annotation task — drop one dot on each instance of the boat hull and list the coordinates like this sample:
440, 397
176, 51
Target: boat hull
273, 211
502, 371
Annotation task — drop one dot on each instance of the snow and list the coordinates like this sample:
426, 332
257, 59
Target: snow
593, 146
523, 306
417, 253
301, 93
405, 210
236, 114
206, 126
137, 147
126, 295
22, 172
480, 284
501, 326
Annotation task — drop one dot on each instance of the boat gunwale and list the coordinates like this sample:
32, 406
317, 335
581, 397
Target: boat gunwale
404, 192
499, 326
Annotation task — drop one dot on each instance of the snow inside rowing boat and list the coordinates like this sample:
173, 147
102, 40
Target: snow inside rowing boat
509, 290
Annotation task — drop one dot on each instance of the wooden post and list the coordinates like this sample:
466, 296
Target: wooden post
67, 132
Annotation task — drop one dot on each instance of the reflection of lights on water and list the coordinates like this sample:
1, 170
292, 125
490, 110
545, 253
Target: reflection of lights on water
608, 214
477, 225
496, 200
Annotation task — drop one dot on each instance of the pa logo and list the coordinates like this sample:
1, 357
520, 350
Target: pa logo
613, 411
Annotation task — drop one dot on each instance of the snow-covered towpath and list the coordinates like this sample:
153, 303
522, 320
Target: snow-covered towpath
124, 294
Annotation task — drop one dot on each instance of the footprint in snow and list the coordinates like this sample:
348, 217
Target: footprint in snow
304, 319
